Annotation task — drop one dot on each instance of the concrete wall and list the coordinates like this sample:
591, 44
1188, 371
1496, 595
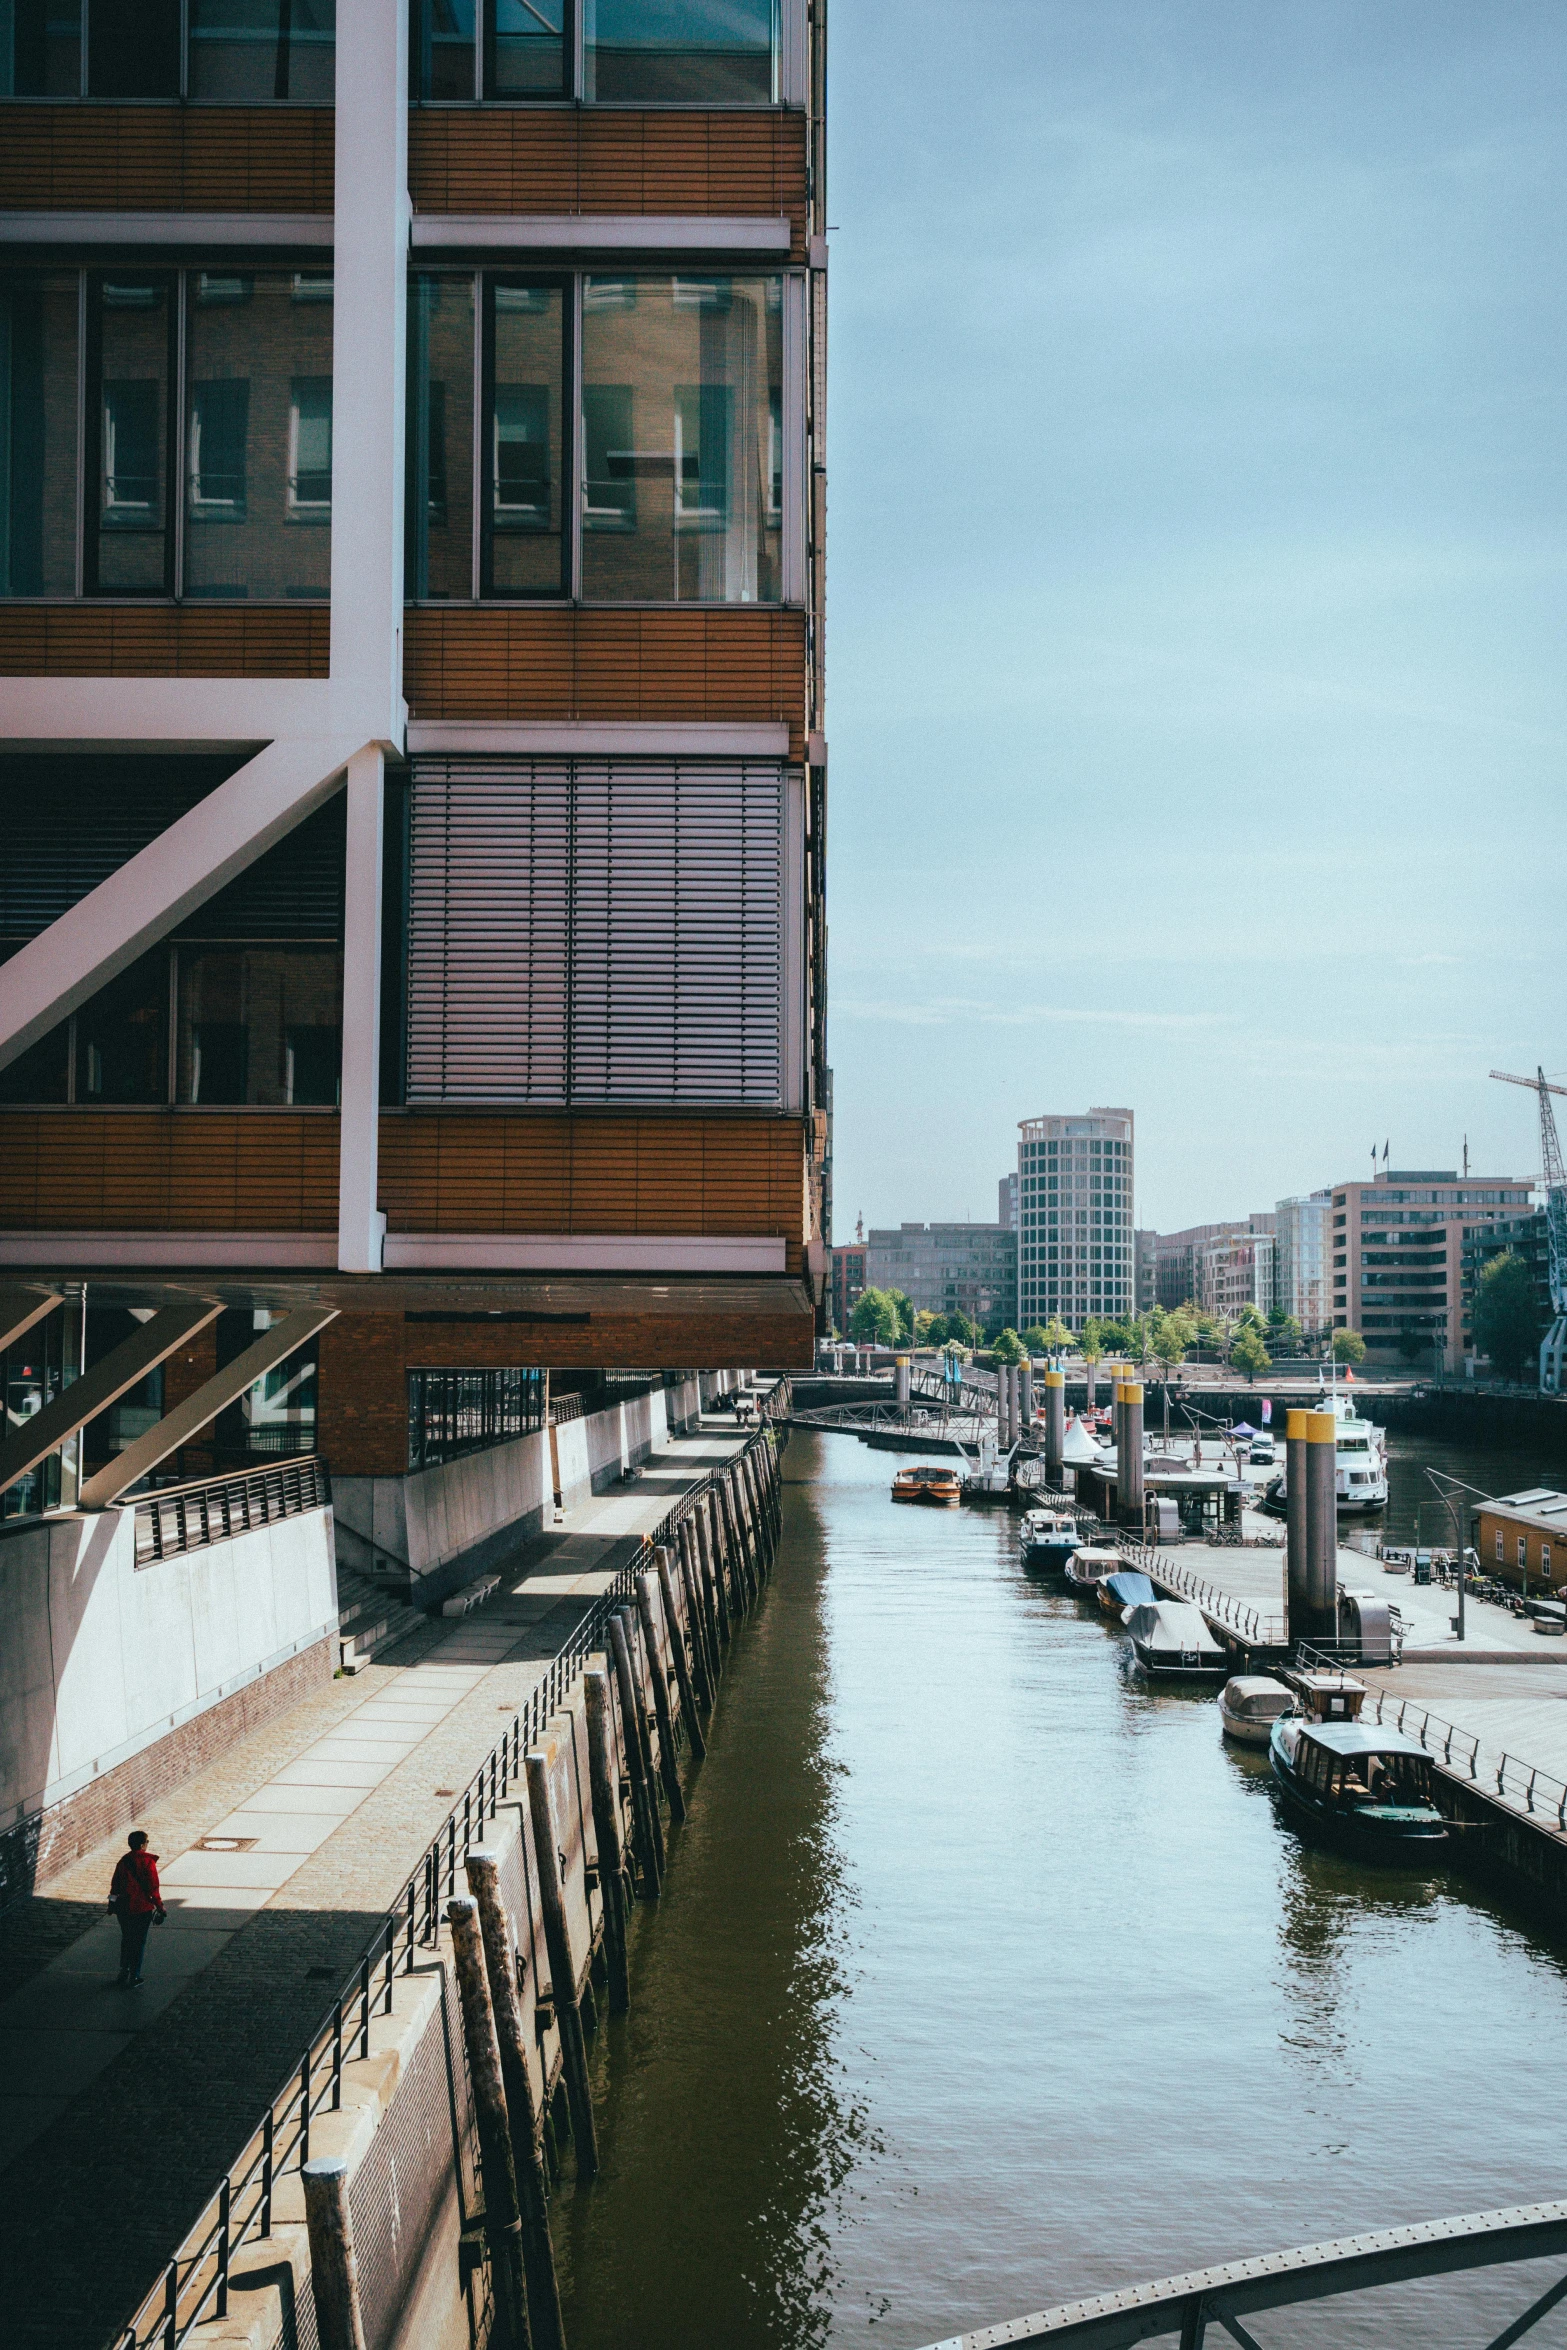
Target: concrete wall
101, 1660
436, 1528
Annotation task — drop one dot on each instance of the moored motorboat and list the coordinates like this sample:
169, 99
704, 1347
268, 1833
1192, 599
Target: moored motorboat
1172, 1642
1362, 1785
1250, 1704
1047, 1539
1127, 1587
1087, 1568
938, 1488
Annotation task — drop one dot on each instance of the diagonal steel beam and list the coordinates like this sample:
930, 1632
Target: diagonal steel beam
35, 1438
21, 1308
198, 1411
1531, 2316
139, 903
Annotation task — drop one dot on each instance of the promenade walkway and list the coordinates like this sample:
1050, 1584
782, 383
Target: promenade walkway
118, 2109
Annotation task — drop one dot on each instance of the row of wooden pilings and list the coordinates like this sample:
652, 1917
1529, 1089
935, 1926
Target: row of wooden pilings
535, 1949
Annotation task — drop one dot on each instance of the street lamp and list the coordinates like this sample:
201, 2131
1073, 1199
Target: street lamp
1447, 1490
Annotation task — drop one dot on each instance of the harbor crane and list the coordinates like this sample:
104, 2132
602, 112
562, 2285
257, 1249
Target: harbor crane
1553, 1346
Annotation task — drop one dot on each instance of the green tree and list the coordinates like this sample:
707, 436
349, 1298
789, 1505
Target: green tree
1507, 1324
1348, 1347
1251, 1317
1285, 1335
929, 1329
1169, 1337
963, 1328
1247, 1351
875, 1320
1009, 1348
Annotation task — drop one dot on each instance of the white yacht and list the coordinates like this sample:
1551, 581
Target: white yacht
1361, 1458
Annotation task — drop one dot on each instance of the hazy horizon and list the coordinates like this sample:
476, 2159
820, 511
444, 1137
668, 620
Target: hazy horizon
1196, 561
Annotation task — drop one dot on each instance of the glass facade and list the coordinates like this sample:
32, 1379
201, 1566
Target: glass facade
451, 1412
678, 445
680, 52
1075, 1178
38, 407
35, 1370
242, 52
131, 328
258, 436
526, 55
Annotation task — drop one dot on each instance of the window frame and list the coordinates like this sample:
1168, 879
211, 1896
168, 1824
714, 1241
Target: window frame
791, 69
568, 283
82, 95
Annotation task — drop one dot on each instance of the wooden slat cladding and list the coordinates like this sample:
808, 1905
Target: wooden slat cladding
163, 640
473, 1172
744, 666
167, 1171
513, 159
166, 158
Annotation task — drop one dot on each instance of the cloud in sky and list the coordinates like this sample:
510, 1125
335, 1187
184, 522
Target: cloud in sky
1198, 580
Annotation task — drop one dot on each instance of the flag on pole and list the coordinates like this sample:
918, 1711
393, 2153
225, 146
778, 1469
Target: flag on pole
1267, 1410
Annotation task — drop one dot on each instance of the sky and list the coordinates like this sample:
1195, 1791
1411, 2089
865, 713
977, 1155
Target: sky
1197, 554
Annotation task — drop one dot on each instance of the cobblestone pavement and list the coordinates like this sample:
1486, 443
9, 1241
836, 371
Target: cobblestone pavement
119, 2109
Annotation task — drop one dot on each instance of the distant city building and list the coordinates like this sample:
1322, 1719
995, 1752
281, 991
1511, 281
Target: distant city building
848, 1283
943, 1267
1145, 1271
1006, 1203
1527, 1237
1075, 1177
1236, 1270
1300, 1258
1186, 1273
1397, 1247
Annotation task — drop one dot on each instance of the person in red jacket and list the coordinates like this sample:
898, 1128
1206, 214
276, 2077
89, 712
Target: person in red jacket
136, 1899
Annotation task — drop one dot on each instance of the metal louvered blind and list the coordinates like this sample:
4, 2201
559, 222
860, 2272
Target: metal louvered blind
595, 931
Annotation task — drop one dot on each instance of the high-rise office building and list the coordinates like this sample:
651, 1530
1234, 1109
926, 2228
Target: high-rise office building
1398, 1256
411, 587
1075, 1177
1300, 1261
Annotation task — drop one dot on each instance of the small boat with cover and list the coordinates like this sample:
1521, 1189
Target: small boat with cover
1250, 1704
1127, 1587
1172, 1642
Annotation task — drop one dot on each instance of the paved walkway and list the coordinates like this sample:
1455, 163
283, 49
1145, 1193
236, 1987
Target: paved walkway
119, 2109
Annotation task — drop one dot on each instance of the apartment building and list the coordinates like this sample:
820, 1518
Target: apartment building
1397, 1247
942, 1268
411, 670
848, 1284
1300, 1260
1202, 1262
1236, 1270
1075, 1183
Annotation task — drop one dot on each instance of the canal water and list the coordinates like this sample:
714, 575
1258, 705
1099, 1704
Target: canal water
984, 1977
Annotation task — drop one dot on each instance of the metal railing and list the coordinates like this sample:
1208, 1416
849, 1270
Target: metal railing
1236, 1615
215, 1509
1223, 2296
194, 2286
1522, 1786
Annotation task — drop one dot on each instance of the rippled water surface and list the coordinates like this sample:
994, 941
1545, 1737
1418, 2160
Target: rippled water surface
984, 1977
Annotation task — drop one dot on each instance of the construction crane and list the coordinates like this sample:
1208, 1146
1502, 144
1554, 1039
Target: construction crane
1553, 1346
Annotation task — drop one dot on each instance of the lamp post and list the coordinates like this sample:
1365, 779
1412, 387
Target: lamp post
1447, 1490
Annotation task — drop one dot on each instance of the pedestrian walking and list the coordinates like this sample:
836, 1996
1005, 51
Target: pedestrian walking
136, 1898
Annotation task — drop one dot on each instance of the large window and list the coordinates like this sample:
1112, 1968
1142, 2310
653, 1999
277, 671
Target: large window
95, 423
245, 52
680, 52
452, 1412
677, 449
38, 410
630, 52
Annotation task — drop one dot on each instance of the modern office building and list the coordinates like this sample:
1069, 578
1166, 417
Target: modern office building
942, 1268
1193, 1266
1397, 1248
413, 801
1300, 1259
1235, 1270
1075, 1178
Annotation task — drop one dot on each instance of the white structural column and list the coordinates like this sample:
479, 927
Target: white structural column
369, 345
359, 1223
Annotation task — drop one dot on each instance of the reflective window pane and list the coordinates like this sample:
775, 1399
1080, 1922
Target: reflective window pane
40, 48
249, 50
669, 52
122, 1036
526, 49
681, 405
130, 319
38, 341
525, 551
258, 436
442, 32
260, 1026
438, 507
133, 48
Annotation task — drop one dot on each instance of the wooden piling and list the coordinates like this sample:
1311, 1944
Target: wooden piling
334, 2271
668, 1764
644, 1808
707, 1552
563, 1972
604, 1784
696, 1609
748, 1543
733, 1557
761, 1548
502, 2216
482, 1868
680, 1653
